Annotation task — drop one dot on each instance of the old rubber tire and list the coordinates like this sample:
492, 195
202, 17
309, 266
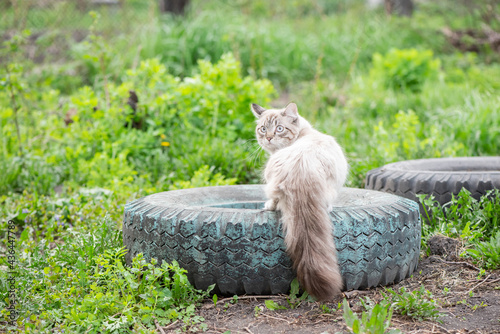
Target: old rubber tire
221, 235
440, 177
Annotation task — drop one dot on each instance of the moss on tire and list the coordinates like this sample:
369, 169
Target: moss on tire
221, 235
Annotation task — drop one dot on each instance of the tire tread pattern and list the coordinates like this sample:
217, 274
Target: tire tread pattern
243, 252
410, 180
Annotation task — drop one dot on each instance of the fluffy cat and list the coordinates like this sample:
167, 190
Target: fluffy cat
303, 176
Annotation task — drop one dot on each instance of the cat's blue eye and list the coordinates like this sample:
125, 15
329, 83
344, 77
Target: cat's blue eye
280, 128
262, 129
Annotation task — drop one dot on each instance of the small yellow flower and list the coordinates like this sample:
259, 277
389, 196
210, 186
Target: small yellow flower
163, 136
165, 143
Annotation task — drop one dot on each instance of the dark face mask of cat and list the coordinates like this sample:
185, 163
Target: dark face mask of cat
275, 129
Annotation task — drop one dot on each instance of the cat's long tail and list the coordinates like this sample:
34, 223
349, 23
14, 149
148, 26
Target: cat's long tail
309, 241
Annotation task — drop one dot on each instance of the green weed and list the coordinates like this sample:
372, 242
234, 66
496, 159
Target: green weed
418, 304
405, 69
107, 143
408, 138
375, 320
473, 307
487, 253
293, 299
82, 284
475, 221
463, 216
273, 306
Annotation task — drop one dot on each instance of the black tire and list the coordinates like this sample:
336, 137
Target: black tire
221, 235
440, 177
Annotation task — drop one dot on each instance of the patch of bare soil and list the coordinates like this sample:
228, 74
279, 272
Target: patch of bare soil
468, 303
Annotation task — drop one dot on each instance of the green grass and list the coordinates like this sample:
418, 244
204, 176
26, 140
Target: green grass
374, 320
376, 317
475, 222
418, 304
61, 15
64, 185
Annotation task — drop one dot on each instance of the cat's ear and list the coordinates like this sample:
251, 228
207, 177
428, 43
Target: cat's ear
257, 110
291, 111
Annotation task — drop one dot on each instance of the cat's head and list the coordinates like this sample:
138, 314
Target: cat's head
277, 128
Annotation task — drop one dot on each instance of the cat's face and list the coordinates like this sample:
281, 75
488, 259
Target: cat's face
276, 128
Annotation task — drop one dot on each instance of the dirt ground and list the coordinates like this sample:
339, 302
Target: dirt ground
469, 303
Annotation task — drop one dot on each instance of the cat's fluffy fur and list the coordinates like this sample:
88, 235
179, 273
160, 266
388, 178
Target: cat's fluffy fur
304, 174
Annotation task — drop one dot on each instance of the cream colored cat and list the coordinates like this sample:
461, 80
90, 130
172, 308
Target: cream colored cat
304, 174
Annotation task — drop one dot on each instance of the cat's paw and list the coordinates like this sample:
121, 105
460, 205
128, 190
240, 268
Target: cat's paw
270, 205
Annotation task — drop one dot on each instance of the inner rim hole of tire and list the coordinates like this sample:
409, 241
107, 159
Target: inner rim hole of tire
241, 205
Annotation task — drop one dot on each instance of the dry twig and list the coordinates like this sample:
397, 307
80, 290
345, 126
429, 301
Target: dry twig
158, 327
276, 318
483, 281
456, 263
354, 293
173, 324
219, 330
248, 330
251, 297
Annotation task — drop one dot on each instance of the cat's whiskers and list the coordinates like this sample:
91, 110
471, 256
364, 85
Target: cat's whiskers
255, 155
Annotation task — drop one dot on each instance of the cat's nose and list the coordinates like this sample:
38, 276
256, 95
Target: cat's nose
269, 139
